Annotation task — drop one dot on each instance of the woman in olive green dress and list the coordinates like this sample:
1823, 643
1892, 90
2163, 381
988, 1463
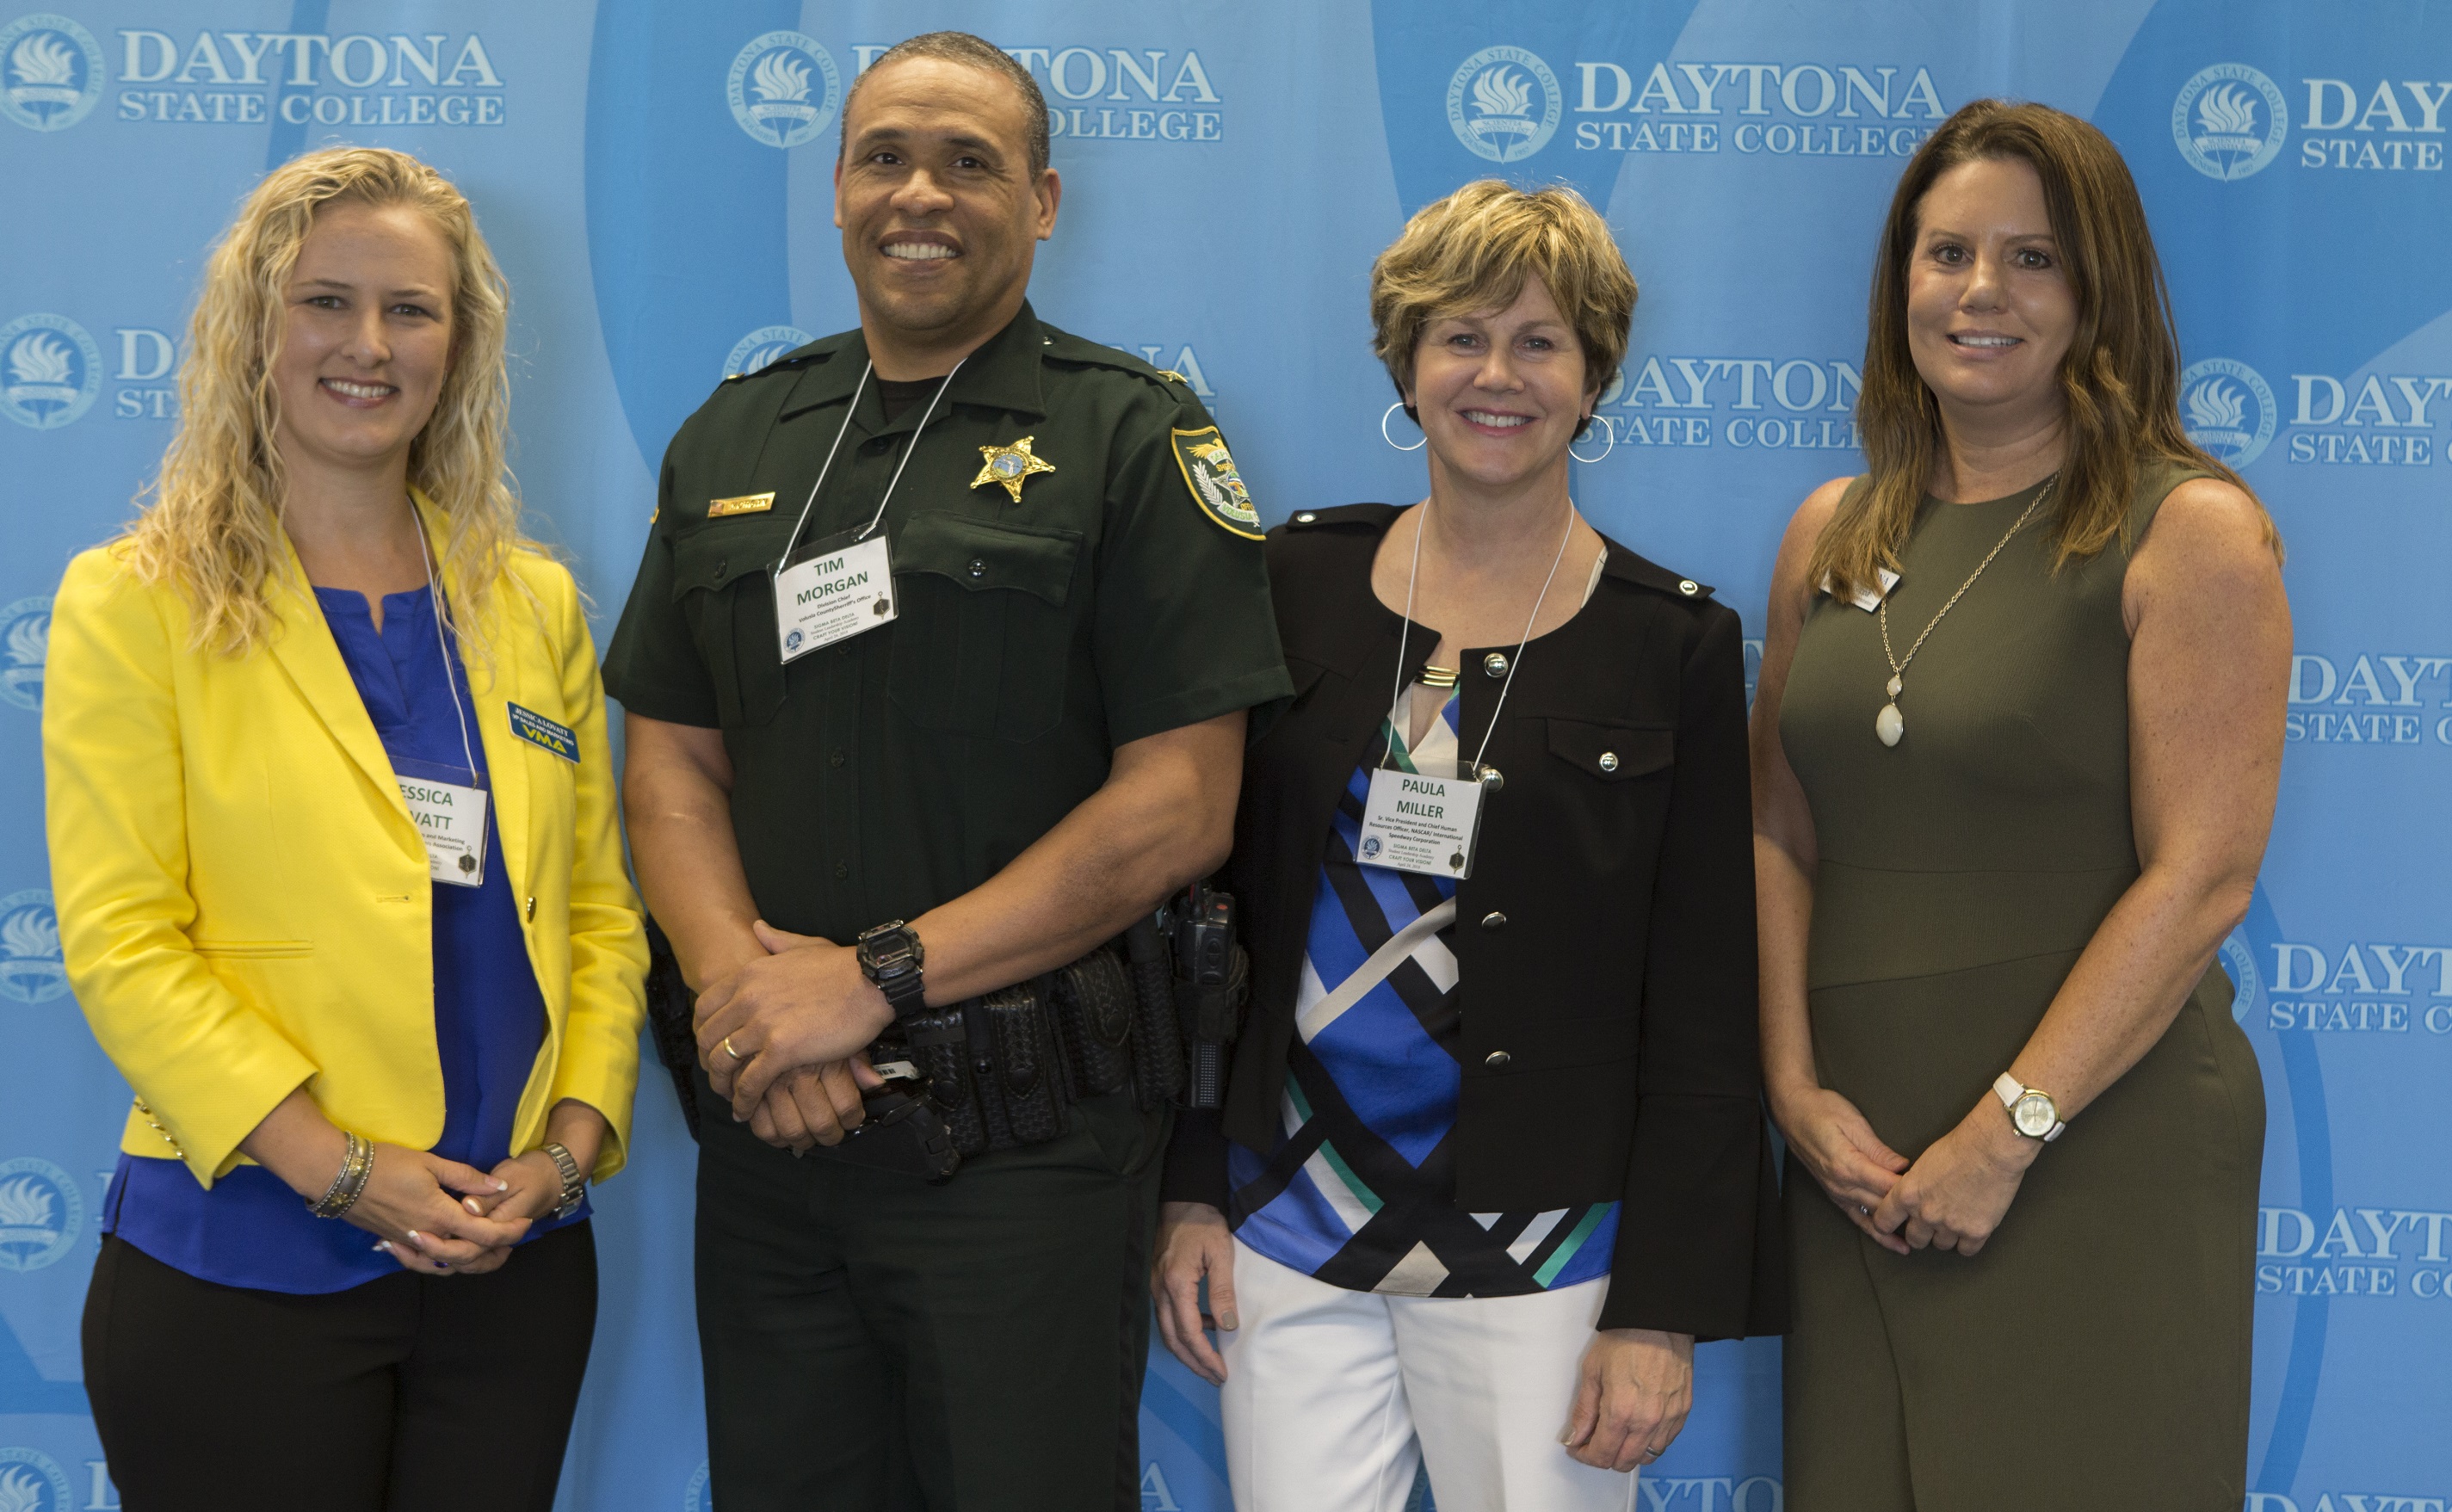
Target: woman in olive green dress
2009, 803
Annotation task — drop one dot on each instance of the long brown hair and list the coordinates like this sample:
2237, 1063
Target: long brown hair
2120, 379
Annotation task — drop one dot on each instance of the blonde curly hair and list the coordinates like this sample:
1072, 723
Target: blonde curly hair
213, 529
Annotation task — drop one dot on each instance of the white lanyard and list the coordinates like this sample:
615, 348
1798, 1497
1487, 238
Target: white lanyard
846, 587
450, 817
1414, 821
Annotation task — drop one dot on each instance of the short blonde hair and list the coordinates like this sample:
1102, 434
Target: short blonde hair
213, 529
1474, 250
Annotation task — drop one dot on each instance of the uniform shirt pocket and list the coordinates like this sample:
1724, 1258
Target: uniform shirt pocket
724, 580
983, 625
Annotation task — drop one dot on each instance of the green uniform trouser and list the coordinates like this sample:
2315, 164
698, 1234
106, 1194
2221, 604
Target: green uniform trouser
874, 1343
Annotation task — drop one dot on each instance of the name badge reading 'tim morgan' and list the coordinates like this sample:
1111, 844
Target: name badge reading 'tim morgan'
1418, 823
840, 588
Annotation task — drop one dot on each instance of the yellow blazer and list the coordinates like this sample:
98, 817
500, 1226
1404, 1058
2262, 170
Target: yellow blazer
242, 896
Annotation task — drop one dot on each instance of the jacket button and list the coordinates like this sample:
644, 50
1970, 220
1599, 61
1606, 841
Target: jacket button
1608, 760
979, 567
1493, 780
532, 909
1495, 664
1494, 920
1689, 587
1497, 1059
720, 562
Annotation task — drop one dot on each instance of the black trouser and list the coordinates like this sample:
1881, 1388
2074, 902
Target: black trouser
410, 1392
874, 1343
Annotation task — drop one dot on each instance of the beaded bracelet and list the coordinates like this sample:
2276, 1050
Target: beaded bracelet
351, 1182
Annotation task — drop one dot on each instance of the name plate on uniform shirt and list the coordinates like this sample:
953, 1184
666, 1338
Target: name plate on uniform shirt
838, 589
1415, 822
451, 820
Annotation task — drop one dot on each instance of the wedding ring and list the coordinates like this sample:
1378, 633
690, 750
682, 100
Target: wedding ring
726, 1045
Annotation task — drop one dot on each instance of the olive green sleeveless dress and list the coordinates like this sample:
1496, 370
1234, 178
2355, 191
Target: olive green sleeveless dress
2095, 1353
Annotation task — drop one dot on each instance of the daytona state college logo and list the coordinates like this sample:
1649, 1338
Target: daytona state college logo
2227, 409
2229, 121
762, 346
50, 371
51, 72
783, 89
32, 970
1503, 104
25, 635
41, 1215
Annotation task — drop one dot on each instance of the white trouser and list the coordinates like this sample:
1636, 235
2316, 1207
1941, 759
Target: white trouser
1334, 1397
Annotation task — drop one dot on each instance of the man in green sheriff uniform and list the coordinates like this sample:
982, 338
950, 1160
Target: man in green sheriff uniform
1041, 743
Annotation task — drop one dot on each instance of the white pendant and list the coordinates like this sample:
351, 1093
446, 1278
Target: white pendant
1894, 687
1890, 724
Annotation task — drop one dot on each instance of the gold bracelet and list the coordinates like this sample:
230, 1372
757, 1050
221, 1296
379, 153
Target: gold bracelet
357, 1163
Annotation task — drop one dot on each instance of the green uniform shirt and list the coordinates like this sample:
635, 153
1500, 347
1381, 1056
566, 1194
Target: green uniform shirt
1123, 594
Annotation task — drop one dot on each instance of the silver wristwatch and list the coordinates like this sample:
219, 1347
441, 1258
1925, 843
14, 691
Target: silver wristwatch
2032, 1113
574, 1182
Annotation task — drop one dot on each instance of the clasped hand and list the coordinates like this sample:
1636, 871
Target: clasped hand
1953, 1196
781, 1037
440, 1217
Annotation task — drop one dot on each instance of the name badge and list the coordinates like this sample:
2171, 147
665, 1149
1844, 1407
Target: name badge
1865, 598
838, 589
451, 820
1418, 823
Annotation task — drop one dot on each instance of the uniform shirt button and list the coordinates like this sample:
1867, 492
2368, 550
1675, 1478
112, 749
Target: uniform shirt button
1689, 587
719, 566
836, 760
1494, 920
1497, 1059
1495, 664
979, 567
1608, 760
1493, 780
842, 869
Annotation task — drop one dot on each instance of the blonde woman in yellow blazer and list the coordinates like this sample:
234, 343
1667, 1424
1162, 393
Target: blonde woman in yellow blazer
331, 823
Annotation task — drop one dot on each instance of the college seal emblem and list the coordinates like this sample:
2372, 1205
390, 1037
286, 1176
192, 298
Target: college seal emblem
1493, 109
2229, 121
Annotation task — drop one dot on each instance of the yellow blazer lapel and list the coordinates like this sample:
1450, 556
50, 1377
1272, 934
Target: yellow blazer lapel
308, 654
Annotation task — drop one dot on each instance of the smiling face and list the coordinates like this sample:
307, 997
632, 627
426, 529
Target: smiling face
365, 341
1500, 392
1989, 308
938, 207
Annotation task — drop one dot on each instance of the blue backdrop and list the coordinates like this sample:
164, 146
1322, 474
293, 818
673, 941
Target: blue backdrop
654, 175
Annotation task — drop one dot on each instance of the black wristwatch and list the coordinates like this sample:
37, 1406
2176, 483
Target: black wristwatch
891, 956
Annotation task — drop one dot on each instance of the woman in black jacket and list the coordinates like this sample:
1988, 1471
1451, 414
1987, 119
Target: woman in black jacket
1483, 1224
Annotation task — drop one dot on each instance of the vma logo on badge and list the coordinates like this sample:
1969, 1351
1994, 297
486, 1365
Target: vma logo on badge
762, 348
32, 970
50, 371
1505, 124
40, 1218
770, 88
2229, 121
30, 1481
51, 73
25, 635
2227, 409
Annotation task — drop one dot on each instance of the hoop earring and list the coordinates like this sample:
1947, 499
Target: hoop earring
1390, 440
1609, 428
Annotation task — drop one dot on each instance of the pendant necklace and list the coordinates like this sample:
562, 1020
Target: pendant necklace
1890, 724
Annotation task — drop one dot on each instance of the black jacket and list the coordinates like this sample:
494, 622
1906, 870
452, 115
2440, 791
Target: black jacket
1604, 940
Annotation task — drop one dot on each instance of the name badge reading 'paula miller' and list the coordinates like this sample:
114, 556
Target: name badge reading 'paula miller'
840, 588
1415, 822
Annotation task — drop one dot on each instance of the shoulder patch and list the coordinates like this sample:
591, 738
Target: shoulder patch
1216, 487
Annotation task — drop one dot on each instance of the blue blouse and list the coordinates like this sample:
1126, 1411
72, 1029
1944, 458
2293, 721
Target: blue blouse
490, 1020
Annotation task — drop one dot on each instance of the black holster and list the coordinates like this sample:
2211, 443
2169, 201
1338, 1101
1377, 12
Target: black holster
671, 1021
